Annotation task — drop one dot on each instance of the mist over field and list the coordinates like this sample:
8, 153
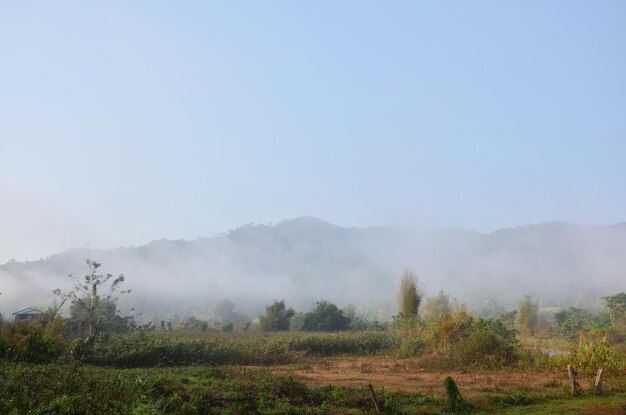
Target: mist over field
307, 259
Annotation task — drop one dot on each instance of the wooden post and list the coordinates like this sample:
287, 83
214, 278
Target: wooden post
377, 404
597, 387
572, 379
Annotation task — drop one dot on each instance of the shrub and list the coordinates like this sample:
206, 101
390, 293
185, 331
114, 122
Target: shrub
32, 342
590, 355
466, 340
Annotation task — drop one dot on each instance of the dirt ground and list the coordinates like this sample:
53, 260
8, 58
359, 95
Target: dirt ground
406, 375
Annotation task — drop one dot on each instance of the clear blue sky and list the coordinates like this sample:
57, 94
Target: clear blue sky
123, 122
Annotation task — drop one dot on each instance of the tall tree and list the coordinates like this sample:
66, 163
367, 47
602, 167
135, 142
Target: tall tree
410, 294
528, 316
93, 295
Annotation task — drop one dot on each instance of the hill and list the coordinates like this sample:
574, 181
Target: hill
306, 259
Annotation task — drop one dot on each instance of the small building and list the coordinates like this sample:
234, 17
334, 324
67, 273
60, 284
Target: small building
27, 314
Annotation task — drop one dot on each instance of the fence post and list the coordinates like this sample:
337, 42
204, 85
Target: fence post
377, 404
572, 380
597, 386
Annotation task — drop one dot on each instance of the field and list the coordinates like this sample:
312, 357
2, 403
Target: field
293, 373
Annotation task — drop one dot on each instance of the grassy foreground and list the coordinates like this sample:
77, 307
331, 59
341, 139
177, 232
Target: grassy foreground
71, 389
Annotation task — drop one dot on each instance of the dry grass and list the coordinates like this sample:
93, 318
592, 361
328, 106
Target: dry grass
408, 375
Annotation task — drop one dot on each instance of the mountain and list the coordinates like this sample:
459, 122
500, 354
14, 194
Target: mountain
306, 259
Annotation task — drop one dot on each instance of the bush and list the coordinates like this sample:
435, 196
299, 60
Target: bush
466, 340
32, 342
590, 355
489, 343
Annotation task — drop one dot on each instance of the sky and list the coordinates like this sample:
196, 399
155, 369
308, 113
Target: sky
124, 122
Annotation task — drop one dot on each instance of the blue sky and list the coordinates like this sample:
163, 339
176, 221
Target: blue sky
123, 122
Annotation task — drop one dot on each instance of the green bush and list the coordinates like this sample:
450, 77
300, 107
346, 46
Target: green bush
35, 342
591, 355
465, 340
489, 343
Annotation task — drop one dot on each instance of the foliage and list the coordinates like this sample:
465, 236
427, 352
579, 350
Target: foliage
572, 321
88, 299
110, 321
616, 309
455, 400
409, 324
325, 317
223, 312
84, 390
527, 317
590, 355
437, 306
36, 342
174, 349
465, 340
410, 295
192, 324
276, 317
508, 318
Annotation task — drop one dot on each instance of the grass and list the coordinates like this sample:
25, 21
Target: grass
173, 349
313, 386
149, 373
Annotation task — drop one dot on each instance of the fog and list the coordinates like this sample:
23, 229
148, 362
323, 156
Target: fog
306, 259
137, 134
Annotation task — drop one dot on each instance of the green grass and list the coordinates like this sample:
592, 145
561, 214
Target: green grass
71, 389
172, 349
78, 390
588, 405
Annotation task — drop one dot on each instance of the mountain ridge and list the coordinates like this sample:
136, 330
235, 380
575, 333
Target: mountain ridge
306, 259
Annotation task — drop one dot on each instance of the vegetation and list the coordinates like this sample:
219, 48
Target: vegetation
437, 306
527, 316
410, 295
325, 317
276, 317
572, 321
58, 365
90, 305
616, 309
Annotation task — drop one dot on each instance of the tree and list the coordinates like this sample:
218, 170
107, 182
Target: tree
276, 317
436, 306
410, 295
325, 317
527, 317
110, 320
192, 324
223, 312
616, 308
93, 295
572, 320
